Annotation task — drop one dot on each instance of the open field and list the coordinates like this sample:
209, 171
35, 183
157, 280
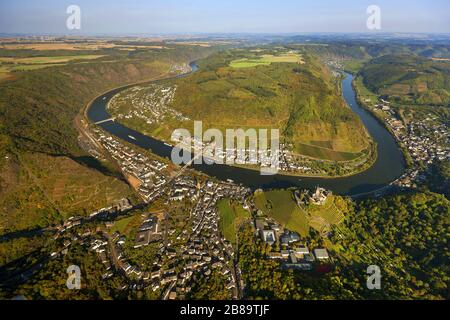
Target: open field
231, 217
48, 60
9, 65
318, 152
281, 206
266, 60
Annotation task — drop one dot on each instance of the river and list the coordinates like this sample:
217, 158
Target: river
388, 167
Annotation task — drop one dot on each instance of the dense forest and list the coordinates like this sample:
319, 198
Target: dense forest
405, 235
408, 79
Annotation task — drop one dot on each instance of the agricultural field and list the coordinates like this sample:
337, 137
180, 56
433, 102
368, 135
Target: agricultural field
231, 217
281, 206
318, 152
266, 60
10, 64
45, 46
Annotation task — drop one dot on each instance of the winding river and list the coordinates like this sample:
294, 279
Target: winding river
389, 166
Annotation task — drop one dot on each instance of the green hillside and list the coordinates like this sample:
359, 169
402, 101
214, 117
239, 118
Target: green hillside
409, 79
299, 98
44, 174
273, 88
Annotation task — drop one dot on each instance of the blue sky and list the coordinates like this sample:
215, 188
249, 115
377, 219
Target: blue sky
222, 16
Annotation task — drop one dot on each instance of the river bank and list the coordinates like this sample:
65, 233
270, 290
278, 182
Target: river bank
388, 166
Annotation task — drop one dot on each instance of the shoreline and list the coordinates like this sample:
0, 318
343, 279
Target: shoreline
279, 173
406, 155
349, 184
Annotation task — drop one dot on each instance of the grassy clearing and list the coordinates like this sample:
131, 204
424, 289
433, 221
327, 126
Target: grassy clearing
8, 65
231, 217
324, 153
266, 60
49, 60
281, 206
124, 225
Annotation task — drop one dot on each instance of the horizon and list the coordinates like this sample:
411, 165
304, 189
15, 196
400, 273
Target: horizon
185, 34
200, 17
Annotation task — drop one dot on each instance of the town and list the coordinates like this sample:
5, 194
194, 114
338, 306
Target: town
150, 106
423, 138
182, 239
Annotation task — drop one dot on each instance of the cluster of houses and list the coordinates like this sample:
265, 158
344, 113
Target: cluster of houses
288, 247
267, 158
151, 174
149, 103
199, 250
425, 139
204, 250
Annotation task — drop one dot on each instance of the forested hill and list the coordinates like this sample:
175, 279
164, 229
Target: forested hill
271, 89
404, 235
37, 109
409, 79
42, 179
